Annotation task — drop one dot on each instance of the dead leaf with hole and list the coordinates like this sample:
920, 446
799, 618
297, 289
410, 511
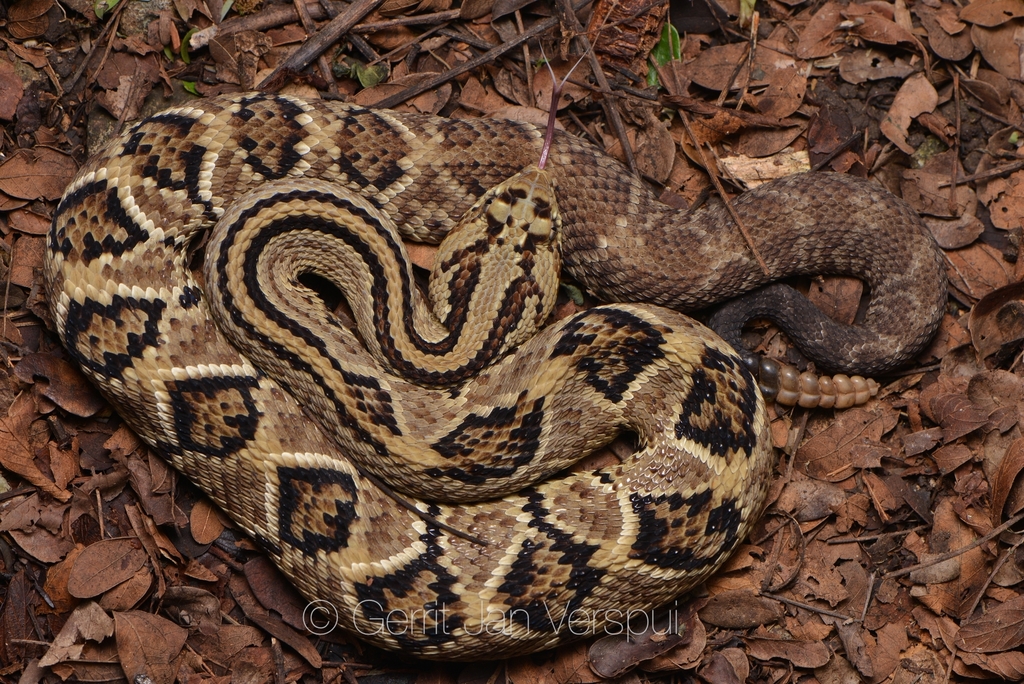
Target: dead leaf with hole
991, 12
1004, 198
105, 564
869, 64
196, 608
921, 189
39, 173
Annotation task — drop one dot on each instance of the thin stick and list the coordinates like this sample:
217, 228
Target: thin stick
486, 58
567, 15
325, 66
425, 517
962, 550
873, 537
323, 39
721, 193
807, 606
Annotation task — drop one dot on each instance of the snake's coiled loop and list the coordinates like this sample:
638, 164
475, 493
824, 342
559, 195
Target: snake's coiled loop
564, 557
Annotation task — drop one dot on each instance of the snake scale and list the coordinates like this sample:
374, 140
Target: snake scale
563, 557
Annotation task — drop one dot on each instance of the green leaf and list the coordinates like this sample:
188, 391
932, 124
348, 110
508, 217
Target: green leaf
746, 12
103, 6
168, 53
190, 86
664, 52
226, 8
667, 48
574, 293
184, 46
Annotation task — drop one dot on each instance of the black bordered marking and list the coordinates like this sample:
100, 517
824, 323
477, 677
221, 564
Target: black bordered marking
516, 450
180, 123
306, 497
534, 612
725, 520
658, 515
80, 340
215, 440
436, 623
613, 365
720, 417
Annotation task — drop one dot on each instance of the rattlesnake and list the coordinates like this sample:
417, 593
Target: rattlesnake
579, 549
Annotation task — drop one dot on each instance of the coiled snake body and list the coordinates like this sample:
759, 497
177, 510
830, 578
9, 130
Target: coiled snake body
563, 557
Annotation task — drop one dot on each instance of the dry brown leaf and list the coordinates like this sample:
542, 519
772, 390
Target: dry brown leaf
800, 653
205, 522
17, 454
728, 666
147, 645
272, 590
998, 46
40, 173
997, 321
254, 611
63, 384
740, 609
618, 653
1009, 470
816, 38
129, 593
87, 622
884, 653
951, 457
1008, 665
916, 96
946, 35
978, 270
11, 90
104, 565
999, 629
27, 18
991, 12
957, 415
826, 456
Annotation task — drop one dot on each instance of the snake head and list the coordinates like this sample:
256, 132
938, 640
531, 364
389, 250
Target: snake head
507, 247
